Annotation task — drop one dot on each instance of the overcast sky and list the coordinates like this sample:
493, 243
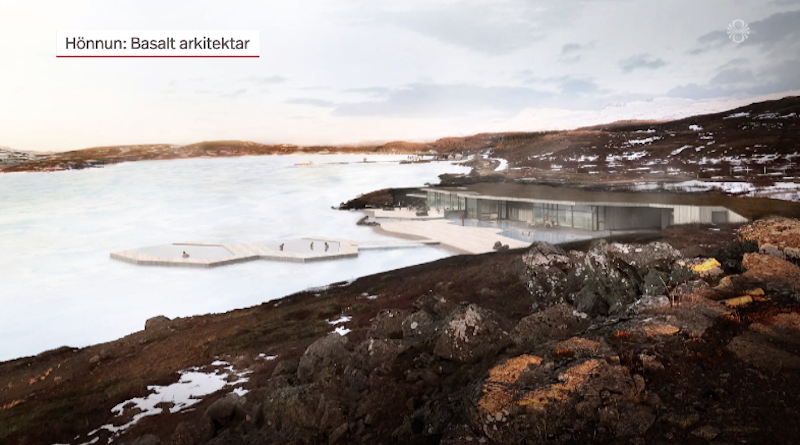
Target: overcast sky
335, 71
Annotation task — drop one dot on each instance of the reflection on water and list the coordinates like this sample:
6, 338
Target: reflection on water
523, 232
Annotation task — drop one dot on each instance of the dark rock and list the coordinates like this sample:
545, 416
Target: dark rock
147, 439
373, 353
469, 334
554, 323
323, 359
435, 305
286, 366
223, 411
388, 324
193, 433
420, 327
609, 284
156, 323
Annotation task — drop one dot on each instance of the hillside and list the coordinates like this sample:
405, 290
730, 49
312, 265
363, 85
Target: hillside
758, 143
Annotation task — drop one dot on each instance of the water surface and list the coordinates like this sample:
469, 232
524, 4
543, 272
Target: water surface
58, 285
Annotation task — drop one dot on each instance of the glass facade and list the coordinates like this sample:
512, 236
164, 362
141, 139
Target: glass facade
585, 217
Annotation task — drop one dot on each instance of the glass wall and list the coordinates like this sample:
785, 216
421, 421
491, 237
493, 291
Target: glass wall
582, 217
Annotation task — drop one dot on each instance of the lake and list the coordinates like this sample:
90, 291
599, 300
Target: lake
58, 285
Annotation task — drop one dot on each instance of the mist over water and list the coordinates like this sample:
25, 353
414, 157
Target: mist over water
58, 285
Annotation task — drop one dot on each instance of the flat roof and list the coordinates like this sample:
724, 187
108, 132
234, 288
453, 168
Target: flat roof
750, 208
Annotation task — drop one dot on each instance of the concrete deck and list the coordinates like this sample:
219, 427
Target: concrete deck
296, 250
240, 252
404, 214
465, 239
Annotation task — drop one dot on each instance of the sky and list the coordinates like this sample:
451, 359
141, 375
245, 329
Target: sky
347, 71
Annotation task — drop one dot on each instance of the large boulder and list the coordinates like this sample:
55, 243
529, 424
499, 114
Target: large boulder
524, 393
420, 327
470, 333
224, 411
388, 324
324, 359
610, 284
554, 323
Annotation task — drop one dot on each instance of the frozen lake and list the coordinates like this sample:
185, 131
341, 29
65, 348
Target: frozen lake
58, 285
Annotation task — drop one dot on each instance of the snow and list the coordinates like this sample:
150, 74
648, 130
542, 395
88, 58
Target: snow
737, 115
788, 191
643, 141
188, 391
694, 127
341, 330
503, 164
340, 320
264, 356
679, 150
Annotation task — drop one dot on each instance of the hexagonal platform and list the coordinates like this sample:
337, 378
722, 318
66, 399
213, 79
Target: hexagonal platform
218, 254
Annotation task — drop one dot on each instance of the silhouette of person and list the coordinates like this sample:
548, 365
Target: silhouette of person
326, 246
312, 245
281, 246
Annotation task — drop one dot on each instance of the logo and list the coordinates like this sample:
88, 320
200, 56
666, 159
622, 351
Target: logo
738, 31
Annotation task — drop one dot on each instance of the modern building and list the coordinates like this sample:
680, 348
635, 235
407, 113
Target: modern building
590, 211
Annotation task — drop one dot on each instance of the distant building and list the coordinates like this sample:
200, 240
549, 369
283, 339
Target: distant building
595, 211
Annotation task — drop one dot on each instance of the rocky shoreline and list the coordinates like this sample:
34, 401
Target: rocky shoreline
690, 338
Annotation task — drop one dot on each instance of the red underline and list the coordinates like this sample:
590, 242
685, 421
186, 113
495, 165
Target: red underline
159, 56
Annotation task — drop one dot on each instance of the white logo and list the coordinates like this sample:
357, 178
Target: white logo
738, 31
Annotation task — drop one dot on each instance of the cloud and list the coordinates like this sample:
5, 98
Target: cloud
641, 61
570, 48
426, 99
265, 79
572, 52
776, 78
774, 33
732, 76
371, 91
496, 28
234, 94
311, 102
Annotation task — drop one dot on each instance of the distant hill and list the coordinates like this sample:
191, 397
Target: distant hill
757, 142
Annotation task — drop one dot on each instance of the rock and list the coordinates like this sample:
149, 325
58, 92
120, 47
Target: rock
147, 439
706, 432
157, 323
577, 347
769, 268
645, 257
512, 408
608, 284
286, 366
755, 349
419, 327
324, 359
223, 411
704, 267
193, 433
542, 254
627, 419
373, 353
388, 324
681, 421
650, 363
556, 322
469, 334
337, 434
731, 255
435, 305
